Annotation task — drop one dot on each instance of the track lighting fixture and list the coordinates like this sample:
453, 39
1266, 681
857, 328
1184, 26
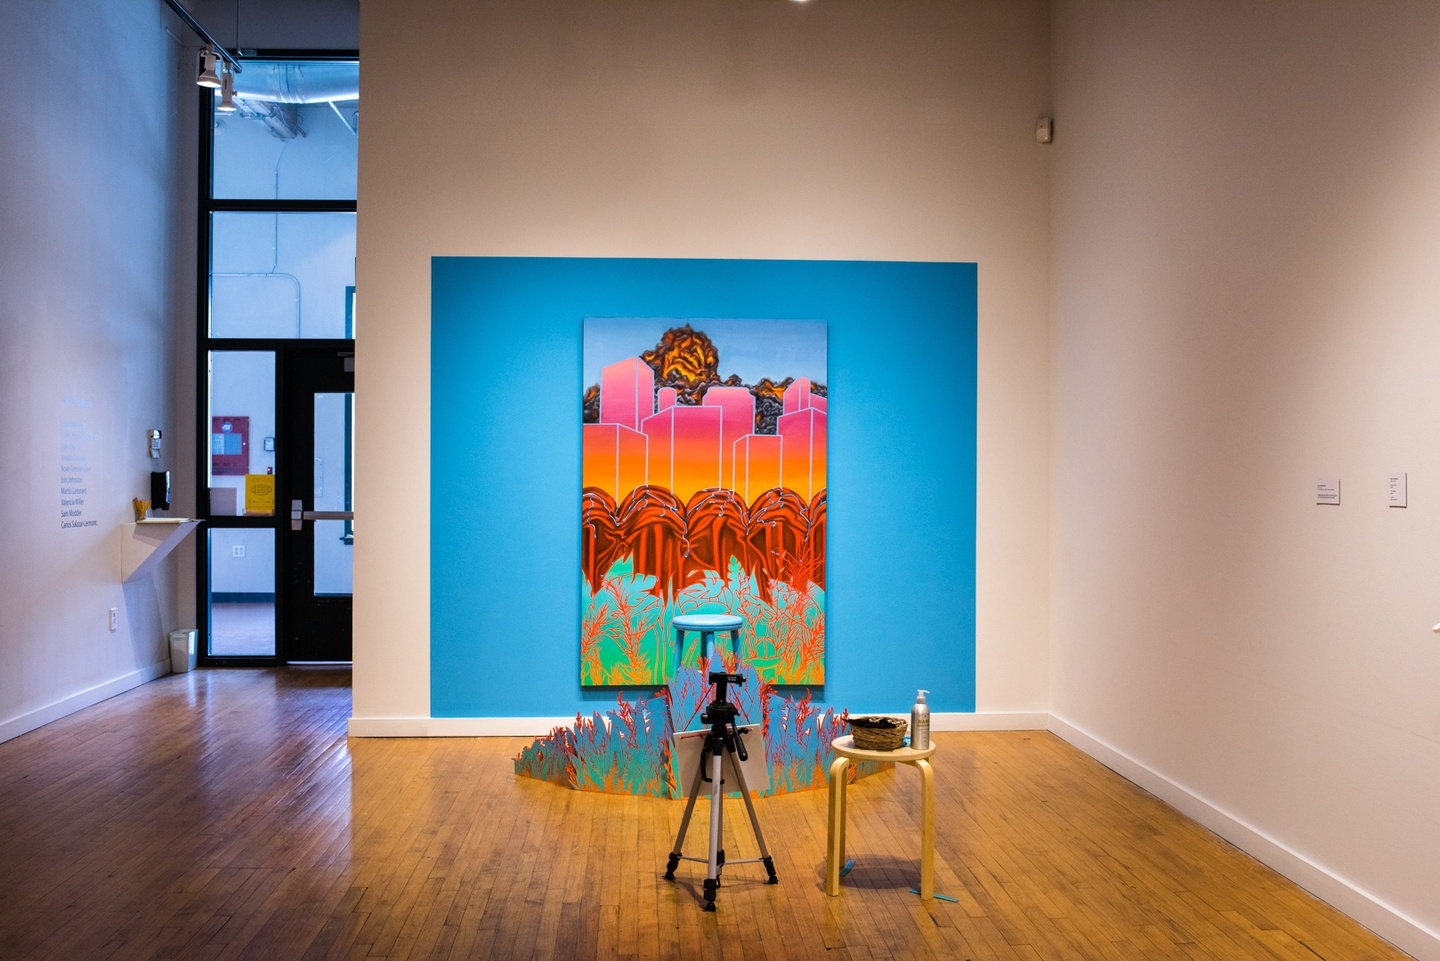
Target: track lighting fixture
227, 91
207, 77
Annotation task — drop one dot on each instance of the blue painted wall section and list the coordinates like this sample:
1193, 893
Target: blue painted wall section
505, 468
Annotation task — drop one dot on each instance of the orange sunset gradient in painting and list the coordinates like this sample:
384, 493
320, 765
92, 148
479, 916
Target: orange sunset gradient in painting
690, 448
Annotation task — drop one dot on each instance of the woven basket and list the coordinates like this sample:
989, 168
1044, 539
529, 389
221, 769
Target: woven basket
877, 733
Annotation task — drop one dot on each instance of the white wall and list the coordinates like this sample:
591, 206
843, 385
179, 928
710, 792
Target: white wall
94, 286
1246, 231
843, 129
253, 572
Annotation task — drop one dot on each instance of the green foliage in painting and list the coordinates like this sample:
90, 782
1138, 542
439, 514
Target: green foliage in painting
626, 631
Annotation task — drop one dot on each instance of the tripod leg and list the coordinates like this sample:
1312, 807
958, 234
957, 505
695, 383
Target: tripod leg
765, 857
720, 831
684, 824
717, 798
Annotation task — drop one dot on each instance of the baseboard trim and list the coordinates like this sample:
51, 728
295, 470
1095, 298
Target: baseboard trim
29, 721
1385, 920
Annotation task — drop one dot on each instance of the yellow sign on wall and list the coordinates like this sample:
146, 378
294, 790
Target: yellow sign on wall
260, 494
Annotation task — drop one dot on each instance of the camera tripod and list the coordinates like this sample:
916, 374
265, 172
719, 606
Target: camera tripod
724, 748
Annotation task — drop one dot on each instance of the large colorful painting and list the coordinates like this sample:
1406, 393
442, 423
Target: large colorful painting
703, 491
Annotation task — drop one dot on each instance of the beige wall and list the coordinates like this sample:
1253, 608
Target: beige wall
1246, 227
716, 128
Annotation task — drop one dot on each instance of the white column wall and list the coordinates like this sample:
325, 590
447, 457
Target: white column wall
836, 130
96, 306
1246, 234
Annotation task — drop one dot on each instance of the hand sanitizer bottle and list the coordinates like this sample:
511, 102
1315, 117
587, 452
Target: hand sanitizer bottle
920, 722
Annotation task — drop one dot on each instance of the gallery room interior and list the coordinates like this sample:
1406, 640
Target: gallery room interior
1113, 323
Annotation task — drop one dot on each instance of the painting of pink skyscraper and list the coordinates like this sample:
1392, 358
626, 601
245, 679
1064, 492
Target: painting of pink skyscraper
703, 491
690, 448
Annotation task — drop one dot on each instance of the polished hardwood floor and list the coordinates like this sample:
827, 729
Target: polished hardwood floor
223, 814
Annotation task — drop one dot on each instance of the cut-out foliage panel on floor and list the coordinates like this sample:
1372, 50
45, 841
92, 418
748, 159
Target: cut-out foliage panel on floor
629, 749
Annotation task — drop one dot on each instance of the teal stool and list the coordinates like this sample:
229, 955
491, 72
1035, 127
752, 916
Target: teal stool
708, 625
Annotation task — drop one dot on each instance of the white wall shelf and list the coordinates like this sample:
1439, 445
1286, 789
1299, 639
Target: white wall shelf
143, 545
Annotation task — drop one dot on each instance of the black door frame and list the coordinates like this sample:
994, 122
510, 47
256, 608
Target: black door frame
205, 344
293, 473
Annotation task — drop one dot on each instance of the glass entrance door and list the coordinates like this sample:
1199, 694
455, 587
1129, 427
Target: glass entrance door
276, 322
317, 486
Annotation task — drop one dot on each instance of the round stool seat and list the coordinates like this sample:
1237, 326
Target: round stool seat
707, 626
708, 622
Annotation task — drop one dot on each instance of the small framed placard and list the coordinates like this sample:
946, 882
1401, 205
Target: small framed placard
1397, 489
1327, 490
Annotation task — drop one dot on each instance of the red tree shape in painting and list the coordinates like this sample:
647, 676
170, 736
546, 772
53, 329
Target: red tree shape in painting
776, 535
716, 522
653, 521
602, 542
779, 538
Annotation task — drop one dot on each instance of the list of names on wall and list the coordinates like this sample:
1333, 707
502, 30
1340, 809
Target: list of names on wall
76, 442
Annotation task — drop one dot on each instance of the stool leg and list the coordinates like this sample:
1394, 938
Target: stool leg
927, 829
835, 846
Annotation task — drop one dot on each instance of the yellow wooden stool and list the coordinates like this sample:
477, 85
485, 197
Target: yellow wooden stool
845, 752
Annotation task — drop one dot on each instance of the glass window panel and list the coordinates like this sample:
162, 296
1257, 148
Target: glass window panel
334, 479
242, 592
293, 135
334, 559
242, 432
281, 275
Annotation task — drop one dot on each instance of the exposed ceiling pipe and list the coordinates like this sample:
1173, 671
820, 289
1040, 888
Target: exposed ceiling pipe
300, 82
282, 119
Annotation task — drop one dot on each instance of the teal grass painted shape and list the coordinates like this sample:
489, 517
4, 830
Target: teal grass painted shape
626, 630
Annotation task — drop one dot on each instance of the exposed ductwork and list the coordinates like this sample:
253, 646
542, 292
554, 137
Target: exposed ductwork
272, 92
300, 83
282, 119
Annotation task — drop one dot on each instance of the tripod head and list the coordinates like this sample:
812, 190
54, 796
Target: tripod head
721, 711
720, 714
720, 679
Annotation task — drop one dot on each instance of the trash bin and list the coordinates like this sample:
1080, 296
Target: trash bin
182, 650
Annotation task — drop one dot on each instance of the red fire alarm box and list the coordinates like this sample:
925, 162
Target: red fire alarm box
230, 445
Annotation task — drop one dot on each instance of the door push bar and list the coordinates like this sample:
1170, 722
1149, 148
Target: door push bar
299, 515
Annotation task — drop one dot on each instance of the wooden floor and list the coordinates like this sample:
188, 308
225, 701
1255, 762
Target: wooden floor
223, 814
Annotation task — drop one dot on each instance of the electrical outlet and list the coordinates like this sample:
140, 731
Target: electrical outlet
114, 618
237, 550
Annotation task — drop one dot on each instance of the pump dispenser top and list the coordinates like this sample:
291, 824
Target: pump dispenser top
920, 722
